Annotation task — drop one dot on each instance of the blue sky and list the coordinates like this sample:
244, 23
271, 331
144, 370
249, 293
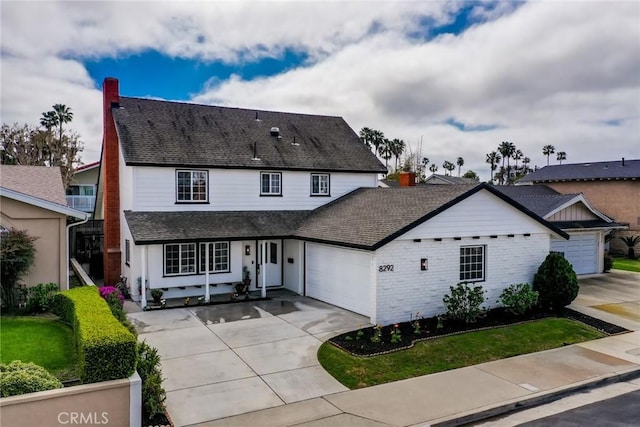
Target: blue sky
452, 79
153, 74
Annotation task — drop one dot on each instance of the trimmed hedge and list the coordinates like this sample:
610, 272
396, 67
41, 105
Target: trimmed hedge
106, 349
20, 378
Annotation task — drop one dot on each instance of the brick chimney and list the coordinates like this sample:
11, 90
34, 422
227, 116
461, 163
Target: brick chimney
407, 179
111, 196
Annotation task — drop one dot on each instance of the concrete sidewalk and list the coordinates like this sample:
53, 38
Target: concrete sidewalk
463, 395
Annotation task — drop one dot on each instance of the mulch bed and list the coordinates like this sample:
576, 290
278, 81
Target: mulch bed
359, 343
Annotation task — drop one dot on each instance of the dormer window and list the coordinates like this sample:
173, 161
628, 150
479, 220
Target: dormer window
320, 184
191, 186
270, 183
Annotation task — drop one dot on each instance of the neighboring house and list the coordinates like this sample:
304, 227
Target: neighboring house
194, 196
448, 179
573, 214
613, 187
81, 193
33, 199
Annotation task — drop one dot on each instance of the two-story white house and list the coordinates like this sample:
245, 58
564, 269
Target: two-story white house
196, 197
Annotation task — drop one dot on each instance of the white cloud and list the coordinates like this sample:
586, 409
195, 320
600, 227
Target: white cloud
544, 73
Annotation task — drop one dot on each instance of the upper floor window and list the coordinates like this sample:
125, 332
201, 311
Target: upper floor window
472, 263
81, 190
320, 184
270, 183
191, 186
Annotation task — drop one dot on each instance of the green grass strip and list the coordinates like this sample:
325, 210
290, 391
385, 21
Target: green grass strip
46, 342
627, 264
456, 351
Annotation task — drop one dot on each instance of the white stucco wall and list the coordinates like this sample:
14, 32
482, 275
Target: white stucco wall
408, 290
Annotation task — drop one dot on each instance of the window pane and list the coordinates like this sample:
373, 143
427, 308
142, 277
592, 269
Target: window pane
265, 183
273, 253
275, 183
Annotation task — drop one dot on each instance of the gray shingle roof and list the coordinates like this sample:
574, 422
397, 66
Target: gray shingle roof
450, 179
539, 199
165, 133
37, 181
158, 227
586, 171
366, 218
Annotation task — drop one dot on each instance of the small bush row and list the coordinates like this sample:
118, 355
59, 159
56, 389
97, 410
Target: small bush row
106, 349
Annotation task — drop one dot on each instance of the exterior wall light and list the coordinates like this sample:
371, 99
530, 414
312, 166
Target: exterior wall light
247, 250
424, 264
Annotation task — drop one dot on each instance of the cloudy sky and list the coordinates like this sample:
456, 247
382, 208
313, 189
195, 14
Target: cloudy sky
459, 77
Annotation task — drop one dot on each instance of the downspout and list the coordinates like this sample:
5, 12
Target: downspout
84, 221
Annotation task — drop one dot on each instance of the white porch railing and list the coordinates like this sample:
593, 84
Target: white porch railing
82, 203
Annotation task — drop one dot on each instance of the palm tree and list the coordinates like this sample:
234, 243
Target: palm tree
433, 168
460, 163
397, 148
377, 140
517, 155
384, 150
561, 156
493, 158
64, 114
447, 165
507, 149
366, 137
49, 120
525, 164
631, 242
548, 150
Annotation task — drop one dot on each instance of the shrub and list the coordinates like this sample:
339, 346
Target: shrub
17, 253
40, 297
106, 349
464, 303
631, 242
519, 298
556, 283
608, 263
20, 378
111, 294
153, 394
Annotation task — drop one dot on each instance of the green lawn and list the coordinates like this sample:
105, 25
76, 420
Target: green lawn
626, 264
453, 352
43, 341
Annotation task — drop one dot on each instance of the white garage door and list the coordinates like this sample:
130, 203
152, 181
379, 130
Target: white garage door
581, 250
339, 276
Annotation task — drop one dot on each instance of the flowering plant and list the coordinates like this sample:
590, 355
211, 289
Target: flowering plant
396, 336
377, 334
111, 294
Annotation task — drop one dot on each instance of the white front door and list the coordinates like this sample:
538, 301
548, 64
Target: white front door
270, 265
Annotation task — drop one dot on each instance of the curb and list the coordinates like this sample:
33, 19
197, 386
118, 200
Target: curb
537, 399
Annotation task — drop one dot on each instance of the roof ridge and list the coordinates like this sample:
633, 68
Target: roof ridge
197, 104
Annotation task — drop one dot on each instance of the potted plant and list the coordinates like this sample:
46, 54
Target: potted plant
156, 294
246, 275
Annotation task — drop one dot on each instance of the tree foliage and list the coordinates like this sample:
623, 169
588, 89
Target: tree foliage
471, 175
556, 283
50, 145
17, 252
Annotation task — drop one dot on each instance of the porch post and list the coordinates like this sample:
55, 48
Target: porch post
206, 273
143, 276
264, 269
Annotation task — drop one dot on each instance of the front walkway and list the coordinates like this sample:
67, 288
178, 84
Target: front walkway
229, 359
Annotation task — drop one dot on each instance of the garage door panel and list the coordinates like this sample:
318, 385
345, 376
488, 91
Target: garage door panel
346, 286
581, 250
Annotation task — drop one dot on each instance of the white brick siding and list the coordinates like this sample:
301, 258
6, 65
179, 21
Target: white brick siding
407, 290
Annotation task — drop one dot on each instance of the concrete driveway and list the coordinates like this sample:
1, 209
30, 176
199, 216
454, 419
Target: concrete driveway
224, 360
613, 297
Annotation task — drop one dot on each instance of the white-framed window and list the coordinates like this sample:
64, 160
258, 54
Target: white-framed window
472, 263
270, 183
218, 257
127, 251
320, 184
191, 186
81, 190
179, 258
